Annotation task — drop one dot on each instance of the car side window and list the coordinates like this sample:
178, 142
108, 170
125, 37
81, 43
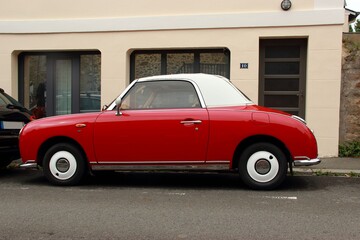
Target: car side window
161, 95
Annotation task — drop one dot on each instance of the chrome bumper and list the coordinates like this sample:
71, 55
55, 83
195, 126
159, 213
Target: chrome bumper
306, 162
29, 165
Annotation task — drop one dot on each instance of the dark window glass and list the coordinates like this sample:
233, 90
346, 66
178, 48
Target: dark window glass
214, 63
282, 68
34, 83
282, 52
62, 80
281, 101
90, 87
281, 84
147, 65
180, 63
57, 83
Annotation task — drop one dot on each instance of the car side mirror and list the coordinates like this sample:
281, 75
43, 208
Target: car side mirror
118, 103
104, 108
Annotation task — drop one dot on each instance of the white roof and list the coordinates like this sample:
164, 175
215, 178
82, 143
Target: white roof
185, 76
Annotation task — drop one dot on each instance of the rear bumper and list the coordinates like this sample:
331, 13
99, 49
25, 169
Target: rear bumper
306, 162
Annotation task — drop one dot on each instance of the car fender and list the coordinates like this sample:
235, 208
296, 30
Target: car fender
36, 137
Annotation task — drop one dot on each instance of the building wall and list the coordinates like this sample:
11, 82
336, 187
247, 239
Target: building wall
116, 28
350, 90
42, 9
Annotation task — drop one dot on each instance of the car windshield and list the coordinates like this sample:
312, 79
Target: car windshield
5, 99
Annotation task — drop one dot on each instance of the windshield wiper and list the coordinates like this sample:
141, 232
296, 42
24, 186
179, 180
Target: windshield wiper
12, 106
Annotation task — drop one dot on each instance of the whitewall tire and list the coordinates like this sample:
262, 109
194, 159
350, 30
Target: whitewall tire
263, 166
64, 164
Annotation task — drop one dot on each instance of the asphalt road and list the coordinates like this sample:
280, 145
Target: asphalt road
177, 206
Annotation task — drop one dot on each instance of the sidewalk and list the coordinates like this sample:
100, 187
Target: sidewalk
334, 165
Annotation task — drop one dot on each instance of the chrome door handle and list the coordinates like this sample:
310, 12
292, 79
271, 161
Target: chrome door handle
191, 122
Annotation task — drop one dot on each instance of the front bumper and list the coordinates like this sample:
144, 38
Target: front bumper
306, 162
29, 164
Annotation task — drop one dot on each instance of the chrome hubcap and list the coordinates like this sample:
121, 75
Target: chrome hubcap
262, 166
62, 165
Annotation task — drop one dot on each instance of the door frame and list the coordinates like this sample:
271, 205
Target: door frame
302, 42
51, 57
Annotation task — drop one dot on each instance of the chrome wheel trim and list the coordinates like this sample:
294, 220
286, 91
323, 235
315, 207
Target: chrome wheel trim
62, 165
253, 163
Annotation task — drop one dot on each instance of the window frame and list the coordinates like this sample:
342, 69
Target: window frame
164, 52
302, 43
74, 56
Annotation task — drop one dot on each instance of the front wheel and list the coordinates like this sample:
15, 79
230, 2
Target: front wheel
64, 164
263, 166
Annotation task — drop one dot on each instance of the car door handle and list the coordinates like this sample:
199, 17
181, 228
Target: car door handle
189, 122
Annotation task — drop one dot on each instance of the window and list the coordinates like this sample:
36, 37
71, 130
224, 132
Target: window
161, 62
59, 83
161, 95
90, 84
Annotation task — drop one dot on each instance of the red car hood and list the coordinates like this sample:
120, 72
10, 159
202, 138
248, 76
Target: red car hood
65, 119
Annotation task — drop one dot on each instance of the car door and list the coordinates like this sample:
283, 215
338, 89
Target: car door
160, 122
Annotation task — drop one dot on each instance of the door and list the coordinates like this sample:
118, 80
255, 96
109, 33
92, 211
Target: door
152, 136
57, 83
282, 79
62, 84
161, 122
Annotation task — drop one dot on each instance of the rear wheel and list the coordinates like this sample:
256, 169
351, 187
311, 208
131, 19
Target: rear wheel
263, 166
64, 164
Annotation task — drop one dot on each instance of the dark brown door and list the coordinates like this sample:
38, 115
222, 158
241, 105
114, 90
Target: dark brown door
283, 75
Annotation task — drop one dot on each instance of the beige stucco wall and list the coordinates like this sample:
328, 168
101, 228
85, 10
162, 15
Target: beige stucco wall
323, 60
45, 9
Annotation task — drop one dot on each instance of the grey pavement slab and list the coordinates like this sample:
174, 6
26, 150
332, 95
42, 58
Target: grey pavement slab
339, 165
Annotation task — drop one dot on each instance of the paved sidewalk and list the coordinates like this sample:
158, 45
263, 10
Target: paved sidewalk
334, 165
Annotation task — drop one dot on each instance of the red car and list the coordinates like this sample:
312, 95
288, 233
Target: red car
172, 122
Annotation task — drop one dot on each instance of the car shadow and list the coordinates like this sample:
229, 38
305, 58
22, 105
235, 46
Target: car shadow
188, 180
184, 180
18, 175
176, 180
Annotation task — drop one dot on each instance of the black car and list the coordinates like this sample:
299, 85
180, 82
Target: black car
13, 116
